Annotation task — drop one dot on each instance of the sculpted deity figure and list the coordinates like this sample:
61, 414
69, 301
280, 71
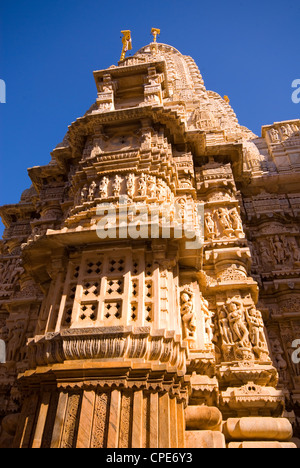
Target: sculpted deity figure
274, 135
286, 131
236, 222
265, 253
84, 193
278, 354
117, 186
15, 339
103, 188
162, 190
152, 186
225, 329
295, 251
188, 316
209, 328
210, 226
256, 327
142, 186
225, 221
278, 250
130, 185
235, 313
92, 191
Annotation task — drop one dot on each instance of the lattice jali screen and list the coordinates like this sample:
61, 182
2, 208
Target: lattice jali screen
109, 289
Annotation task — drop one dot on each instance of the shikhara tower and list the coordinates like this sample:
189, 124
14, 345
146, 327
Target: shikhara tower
121, 342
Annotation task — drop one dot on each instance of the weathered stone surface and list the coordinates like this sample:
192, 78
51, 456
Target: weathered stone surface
258, 428
202, 418
204, 439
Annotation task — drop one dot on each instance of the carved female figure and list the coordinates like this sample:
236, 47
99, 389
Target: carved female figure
225, 329
256, 326
236, 320
209, 328
188, 316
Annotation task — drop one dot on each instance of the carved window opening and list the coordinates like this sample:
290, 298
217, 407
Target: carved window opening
148, 290
134, 311
149, 313
113, 310
117, 266
115, 287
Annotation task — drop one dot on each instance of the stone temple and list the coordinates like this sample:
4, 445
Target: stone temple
149, 277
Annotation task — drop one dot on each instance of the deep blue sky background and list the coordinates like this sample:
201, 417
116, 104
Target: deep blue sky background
249, 50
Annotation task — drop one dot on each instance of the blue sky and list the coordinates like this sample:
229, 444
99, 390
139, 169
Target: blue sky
49, 49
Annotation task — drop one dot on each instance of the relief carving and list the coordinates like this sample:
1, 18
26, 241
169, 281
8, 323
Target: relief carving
188, 316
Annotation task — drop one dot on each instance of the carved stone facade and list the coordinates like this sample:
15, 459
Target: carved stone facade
123, 329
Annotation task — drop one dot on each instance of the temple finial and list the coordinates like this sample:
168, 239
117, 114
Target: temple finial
155, 32
127, 43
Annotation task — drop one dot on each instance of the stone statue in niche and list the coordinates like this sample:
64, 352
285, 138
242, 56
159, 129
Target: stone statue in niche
180, 206
142, 190
278, 354
265, 254
274, 135
15, 339
226, 334
278, 250
188, 316
208, 315
225, 221
162, 190
117, 184
103, 188
210, 226
92, 191
235, 313
84, 194
130, 185
152, 188
286, 131
257, 334
236, 222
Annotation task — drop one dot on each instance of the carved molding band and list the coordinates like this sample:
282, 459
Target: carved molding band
128, 343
